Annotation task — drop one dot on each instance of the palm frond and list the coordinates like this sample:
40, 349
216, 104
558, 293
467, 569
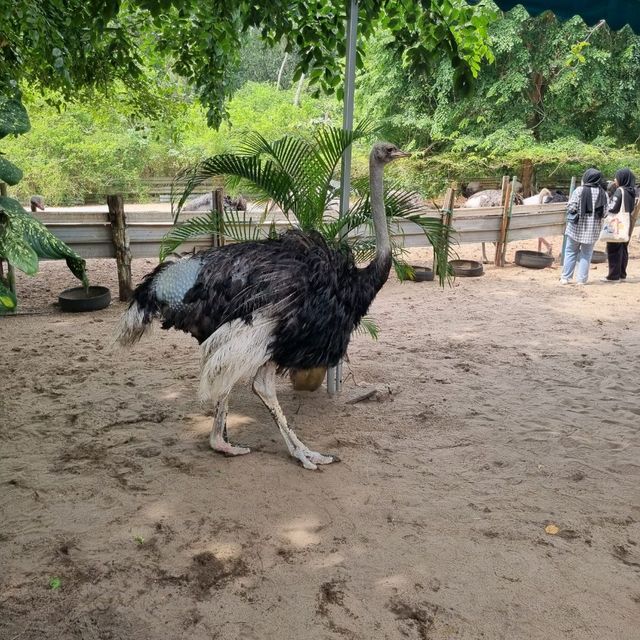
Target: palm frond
265, 176
368, 327
235, 227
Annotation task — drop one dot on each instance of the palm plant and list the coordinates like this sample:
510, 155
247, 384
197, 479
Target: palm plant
23, 238
298, 175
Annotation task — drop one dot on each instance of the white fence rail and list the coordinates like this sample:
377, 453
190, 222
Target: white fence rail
87, 229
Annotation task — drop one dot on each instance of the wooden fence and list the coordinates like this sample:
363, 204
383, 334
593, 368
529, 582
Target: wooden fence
89, 232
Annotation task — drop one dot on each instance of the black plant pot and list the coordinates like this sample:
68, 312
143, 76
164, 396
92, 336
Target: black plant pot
81, 299
533, 259
422, 274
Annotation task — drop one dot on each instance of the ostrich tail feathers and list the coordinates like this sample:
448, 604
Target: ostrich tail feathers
132, 325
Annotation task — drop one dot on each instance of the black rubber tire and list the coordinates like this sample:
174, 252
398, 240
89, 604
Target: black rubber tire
78, 300
422, 274
533, 259
466, 268
599, 257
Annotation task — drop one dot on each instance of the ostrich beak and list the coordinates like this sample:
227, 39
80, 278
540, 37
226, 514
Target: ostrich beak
398, 153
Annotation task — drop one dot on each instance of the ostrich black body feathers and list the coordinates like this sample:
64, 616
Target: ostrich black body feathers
315, 294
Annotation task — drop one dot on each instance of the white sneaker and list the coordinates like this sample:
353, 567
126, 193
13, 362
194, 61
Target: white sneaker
564, 281
582, 284
609, 281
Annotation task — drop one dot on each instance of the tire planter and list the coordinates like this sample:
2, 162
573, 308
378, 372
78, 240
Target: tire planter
80, 299
598, 257
466, 268
533, 259
307, 379
422, 274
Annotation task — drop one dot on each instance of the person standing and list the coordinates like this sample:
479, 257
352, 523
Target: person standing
618, 252
585, 211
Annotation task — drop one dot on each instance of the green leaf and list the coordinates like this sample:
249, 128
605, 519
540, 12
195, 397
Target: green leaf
8, 300
9, 173
24, 239
13, 117
16, 250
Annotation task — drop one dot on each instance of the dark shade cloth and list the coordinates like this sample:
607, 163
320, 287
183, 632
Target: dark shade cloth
616, 13
592, 178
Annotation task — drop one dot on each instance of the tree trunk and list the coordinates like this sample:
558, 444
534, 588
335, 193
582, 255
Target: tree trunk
527, 178
281, 72
296, 100
537, 91
121, 244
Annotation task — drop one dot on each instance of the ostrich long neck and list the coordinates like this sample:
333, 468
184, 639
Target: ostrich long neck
382, 262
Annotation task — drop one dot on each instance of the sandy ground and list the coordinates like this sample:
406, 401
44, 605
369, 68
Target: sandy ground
504, 404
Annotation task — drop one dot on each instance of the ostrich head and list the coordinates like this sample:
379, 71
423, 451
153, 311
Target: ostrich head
37, 202
385, 152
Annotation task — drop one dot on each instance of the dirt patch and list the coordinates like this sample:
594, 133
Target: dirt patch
483, 412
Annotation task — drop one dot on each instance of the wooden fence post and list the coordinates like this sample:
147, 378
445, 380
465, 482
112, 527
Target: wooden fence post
501, 245
218, 216
121, 244
446, 217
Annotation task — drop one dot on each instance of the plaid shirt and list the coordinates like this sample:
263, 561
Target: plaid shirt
587, 229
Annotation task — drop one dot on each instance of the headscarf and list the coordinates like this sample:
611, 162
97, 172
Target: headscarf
627, 183
592, 179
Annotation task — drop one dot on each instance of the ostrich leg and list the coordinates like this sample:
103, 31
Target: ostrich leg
264, 385
218, 438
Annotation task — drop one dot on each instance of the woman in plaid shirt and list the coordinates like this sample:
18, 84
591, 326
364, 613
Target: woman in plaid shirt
585, 211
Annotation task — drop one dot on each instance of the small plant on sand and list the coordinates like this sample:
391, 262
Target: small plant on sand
55, 583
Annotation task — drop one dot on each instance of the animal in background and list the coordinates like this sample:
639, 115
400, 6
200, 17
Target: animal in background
262, 307
36, 202
205, 203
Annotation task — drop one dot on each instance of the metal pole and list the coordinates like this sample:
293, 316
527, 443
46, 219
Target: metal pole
334, 374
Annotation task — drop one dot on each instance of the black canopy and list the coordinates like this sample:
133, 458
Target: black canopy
616, 13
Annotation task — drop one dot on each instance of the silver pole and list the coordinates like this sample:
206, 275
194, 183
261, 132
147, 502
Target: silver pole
334, 374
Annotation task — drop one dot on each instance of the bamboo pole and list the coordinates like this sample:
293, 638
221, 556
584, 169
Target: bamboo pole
120, 238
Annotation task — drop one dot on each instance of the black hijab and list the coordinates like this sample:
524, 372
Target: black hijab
592, 178
627, 184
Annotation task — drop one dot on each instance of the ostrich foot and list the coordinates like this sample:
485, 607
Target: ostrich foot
310, 459
226, 448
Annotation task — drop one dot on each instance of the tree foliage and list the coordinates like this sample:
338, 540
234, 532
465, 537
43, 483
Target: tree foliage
550, 79
71, 44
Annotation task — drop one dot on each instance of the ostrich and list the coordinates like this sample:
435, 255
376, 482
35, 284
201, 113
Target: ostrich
36, 202
546, 197
489, 198
262, 307
205, 203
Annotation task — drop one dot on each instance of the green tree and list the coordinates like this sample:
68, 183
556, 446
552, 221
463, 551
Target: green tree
70, 44
549, 79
